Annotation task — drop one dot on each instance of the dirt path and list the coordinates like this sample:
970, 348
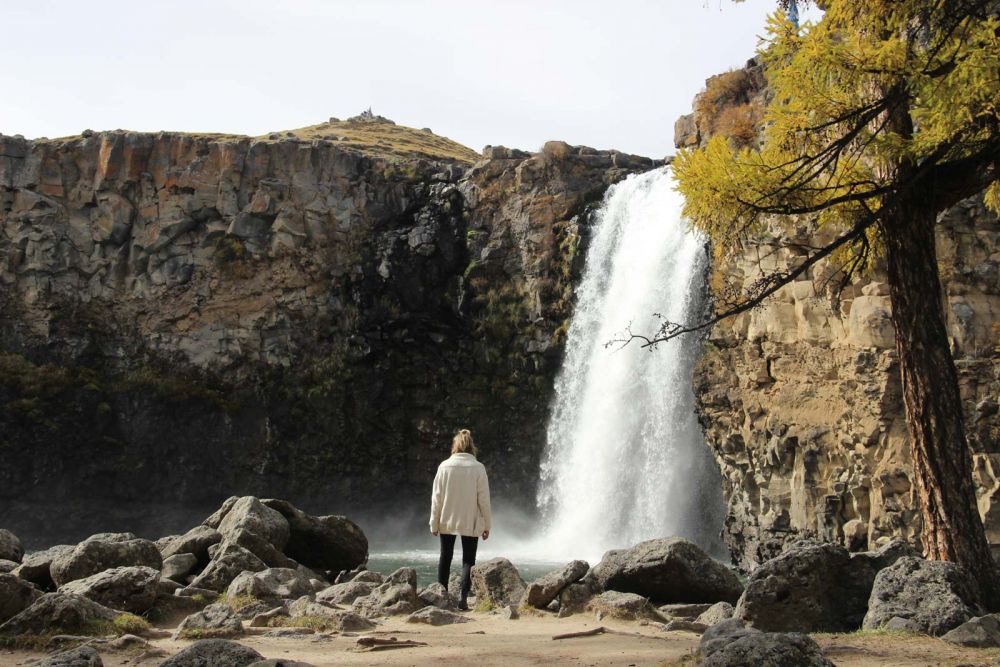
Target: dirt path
490, 640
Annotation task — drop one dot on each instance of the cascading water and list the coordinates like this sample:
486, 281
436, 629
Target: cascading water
625, 459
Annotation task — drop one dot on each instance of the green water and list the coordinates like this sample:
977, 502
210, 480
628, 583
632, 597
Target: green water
425, 563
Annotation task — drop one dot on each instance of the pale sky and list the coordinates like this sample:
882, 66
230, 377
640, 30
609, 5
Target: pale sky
608, 74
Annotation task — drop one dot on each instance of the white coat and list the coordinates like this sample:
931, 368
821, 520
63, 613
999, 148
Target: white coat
460, 502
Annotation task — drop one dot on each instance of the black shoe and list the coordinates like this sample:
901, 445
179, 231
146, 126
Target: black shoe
462, 606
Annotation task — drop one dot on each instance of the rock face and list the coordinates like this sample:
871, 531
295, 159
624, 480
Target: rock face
800, 398
497, 583
259, 312
60, 612
667, 570
15, 596
131, 589
933, 597
103, 552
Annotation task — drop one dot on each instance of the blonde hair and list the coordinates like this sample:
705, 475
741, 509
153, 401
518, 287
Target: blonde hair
462, 443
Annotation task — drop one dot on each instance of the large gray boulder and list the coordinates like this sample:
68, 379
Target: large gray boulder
278, 662
82, 656
131, 589
271, 585
215, 620
346, 593
388, 599
336, 619
332, 543
35, 567
574, 599
934, 596
436, 616
214, 653
58, 612
196, 541
769, 649
545, 589
178, 567
497, 583
7, 566
229, 562
813, 587
978, 632
665, 570
717, 613
16, 595
103, 552
624, 606
257, 528
10, 546
434, 595
722, 633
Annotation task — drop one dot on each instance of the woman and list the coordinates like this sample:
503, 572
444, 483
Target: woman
460, 505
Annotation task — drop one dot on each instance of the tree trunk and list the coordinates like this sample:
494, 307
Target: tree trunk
942, 462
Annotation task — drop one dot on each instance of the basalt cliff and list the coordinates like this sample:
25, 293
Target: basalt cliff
307, 315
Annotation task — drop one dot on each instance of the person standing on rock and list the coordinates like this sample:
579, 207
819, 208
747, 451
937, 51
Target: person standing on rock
460, 505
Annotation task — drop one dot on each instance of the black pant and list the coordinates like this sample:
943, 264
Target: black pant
469, 546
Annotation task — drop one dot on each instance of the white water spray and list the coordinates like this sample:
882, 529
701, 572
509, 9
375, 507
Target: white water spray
625, 459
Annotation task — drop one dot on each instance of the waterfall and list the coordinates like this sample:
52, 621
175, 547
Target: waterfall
625, 459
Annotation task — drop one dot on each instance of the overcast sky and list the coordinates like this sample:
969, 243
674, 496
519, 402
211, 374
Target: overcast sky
608, 74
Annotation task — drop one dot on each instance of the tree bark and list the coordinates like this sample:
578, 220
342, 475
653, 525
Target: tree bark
942, 462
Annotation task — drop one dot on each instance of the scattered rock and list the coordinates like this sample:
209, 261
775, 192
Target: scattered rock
214, 653
16, 595
723, 633
131, 589
339, 619
324, 543
685, 626
978, 632
626, 606
388, 600
268, 618
545, 589
574, 598
769, 649
271, 584
434, 595
7, 566
127, 642
404, 575
369, 576
82, 656
229, 562
436, 616
936, 595
215, 620
280, 663
510, 613
497, 583
667, 570
103, 552
717, 613
346, 593
10, 546
684, 612
196, 541
248, 611
35, 567
63, 612
178, 566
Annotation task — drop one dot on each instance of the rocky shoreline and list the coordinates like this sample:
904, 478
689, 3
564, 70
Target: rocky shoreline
265, 568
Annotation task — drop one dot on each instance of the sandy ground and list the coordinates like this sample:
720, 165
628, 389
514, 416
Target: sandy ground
490, 640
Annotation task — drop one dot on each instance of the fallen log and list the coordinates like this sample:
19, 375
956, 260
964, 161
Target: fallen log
377, 644
600, 630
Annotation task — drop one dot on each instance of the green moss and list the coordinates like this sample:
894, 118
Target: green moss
231, 258
172, 388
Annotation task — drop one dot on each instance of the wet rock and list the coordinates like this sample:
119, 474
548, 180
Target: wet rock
131, 589
16, 595
667, 570
103, 552
345, 593
323, 543
214, 653
545, 589
271, 584
196, 541
625, 606
10, 546
178, 566
497, 583
215, 620
229, 561
935, 595
82, 656
717, 613
436, 616
435, 595
574, 598
388, 600
35, 567
977, 632
62, 612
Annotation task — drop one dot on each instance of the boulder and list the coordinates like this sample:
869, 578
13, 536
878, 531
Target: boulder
681, 625
769, 649
59, 612
978, 632
404, 575
346, 593
169, 610
574, 598
7, 566
177, 567
388, 600
626, 606
936, 596
667, 570
247, 612
323, 543
272, 584
10, 546
338, 619
103, 552
215, 620
684, 612
229, 562
723, 633
436, 616
280, 663
545, 589
811, 587
435, 595
35, 567
214, 653
196, 541
717, 613
16, 595
81, 656
268, 618
497, 583
131, 589
257, 528
368, 576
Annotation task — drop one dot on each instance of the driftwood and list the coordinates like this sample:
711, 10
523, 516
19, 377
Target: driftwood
376, 644
600, 630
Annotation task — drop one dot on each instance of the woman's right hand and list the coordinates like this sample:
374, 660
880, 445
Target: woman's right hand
486, 535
